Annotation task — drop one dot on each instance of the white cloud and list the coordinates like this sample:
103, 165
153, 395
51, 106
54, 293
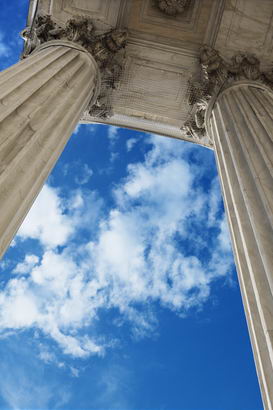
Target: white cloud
224, 236
214, 201
136, 256
112, 133
47, 357
46, 220
55, 299
24, 267
84, 174
114, 156
130, 143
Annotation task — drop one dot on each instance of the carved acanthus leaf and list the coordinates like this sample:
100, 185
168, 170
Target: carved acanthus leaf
105, 48
216, 73
172, 7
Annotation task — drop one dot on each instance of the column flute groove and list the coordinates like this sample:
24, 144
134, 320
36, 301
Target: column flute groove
259, 162
248, 180
263, 139
256, 329
259, 168
246, 175
7, 84
244, 225
11, 101
16, 155
27, 64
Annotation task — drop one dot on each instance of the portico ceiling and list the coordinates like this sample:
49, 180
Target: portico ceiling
162, 52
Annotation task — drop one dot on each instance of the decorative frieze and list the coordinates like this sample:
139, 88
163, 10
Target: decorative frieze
172, 7
104, 47
215, 74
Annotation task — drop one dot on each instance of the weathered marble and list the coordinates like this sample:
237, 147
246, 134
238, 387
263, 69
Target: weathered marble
240, 123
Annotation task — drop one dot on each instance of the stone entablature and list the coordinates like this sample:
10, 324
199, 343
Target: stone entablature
216, 74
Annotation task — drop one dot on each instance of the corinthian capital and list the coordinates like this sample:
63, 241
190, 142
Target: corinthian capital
105, 48
215, 74
79, 30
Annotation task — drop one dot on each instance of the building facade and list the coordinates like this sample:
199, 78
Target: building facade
197, 70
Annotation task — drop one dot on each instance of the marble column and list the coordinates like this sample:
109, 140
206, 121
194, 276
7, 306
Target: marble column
42, 99
239, 121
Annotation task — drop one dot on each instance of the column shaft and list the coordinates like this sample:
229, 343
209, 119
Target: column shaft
42, 99
241, 125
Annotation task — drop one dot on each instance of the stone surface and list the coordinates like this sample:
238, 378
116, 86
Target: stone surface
172, 7
240, 122
216, 73
246, 25
42, 99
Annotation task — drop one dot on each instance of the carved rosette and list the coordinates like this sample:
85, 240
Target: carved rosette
215, 74
172, 7
106, 48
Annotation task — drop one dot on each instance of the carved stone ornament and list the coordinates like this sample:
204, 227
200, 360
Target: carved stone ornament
105, 48
215, 74
172, 7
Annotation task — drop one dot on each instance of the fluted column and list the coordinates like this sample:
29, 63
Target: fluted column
240, 123
42, 99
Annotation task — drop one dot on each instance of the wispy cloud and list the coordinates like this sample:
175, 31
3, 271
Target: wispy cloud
84, 175
77, 172
112, 133
22, 385
4, 48
114, 388
130, 143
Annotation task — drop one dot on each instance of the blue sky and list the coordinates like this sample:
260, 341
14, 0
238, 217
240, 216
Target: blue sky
119, 290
